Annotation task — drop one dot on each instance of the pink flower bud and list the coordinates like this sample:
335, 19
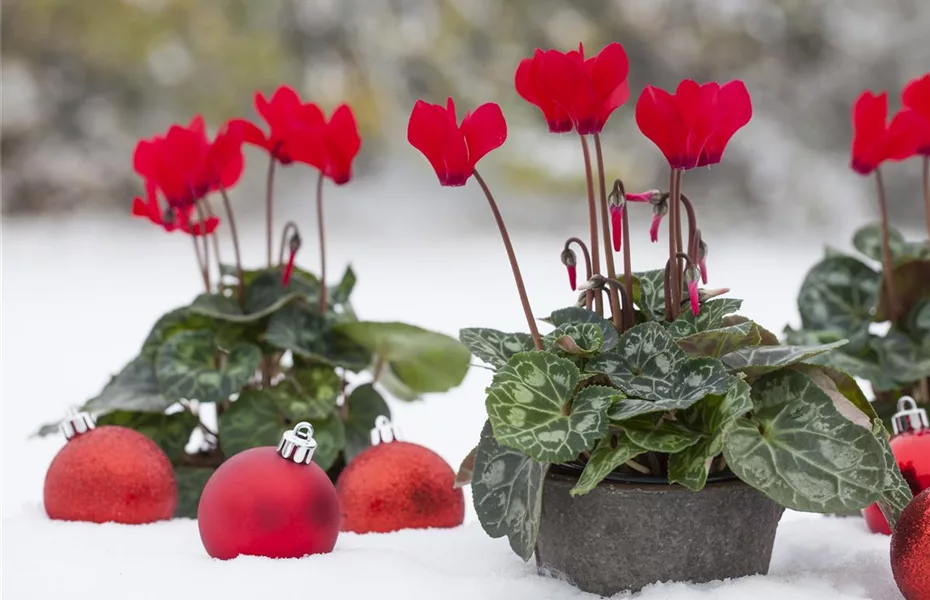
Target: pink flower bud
616, 223
572, 276
694, 297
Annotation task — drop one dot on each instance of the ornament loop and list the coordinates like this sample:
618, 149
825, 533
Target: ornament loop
384, 431
76, 423
909, 417
298, 444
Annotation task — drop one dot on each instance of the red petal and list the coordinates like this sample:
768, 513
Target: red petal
616, 223
573, 276
608, 72
484, 130
696, 106
430, 131
563, 80
527, 85
732, 111
903, 136
250, 133
916, 95
143, 158
657, 117
342, 144
869, 115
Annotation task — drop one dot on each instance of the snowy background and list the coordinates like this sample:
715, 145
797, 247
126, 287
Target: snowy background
79, 293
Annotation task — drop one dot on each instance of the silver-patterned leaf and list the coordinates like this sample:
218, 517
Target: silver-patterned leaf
610, 453
495, 347
799, 450
507, 489
838, 294
764, 359
896, 493
717, 342
649, 292
648, 364
134, 388
579, 339
533, 408
658, 434
868, 241
901, 358
187, 369
577, 315
710, 317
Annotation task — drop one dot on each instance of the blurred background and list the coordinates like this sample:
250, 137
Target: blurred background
83, 80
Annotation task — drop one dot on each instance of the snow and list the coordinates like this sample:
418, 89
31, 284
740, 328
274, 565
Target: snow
79, 295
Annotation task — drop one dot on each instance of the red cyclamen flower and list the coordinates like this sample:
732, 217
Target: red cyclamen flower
330, 146
693, 126
874, 140
916, 96
171, 218
285, 114
185, 165
573, 92
453, 149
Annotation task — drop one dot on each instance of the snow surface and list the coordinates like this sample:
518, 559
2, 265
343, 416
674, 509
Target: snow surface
79, 295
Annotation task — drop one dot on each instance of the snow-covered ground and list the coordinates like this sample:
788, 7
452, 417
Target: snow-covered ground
79, 295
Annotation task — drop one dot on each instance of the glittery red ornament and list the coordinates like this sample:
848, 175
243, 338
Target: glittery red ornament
270, 502
109, 473
910, 549
911, 448
398, 485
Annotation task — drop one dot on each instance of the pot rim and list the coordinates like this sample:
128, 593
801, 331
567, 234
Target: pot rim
574, 469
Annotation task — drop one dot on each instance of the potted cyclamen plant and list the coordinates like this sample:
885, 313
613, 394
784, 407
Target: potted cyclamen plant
272, 346
843, 295
662, 441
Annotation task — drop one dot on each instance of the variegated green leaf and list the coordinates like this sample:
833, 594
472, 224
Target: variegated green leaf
838, 294
190, 366
627, 408
896, 493
169, 324
466, 470
364, 405
265, 293
649, 292
302, 331
717, 342
308, 392
711, 317
330, 436
507, 489
577, 315
764, 359
868, 241
648, 365
577, 339
799, 450
339, 294
659, 434
495, 347
134, 388
532, 407
611, 452
901, 358
171, 432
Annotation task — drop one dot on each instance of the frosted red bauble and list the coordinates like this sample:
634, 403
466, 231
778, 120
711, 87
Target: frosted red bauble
399, 485
912, 453
910, 549
261, 504
111, 474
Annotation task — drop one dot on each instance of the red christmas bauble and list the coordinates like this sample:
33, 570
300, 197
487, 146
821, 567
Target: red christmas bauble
110, 474
399, 485
260, 503
912, 453
910, 549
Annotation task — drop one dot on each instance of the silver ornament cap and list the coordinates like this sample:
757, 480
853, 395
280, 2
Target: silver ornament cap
384, 431
909, 417
298, 444
76, 423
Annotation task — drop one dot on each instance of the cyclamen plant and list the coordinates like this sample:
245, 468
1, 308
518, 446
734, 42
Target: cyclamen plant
671, 384
272, 346
842, 295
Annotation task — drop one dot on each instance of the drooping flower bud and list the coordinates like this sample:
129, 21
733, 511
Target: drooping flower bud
571, 261
651, 196
293, 246
659, 210
694, 297
616, 224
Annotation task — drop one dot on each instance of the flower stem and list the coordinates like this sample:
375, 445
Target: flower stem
589, 296
216, 239
673, 285
206, 245
679, 266
692, 228
518, 278
269, 195
203, 272
605, 233
319, 218
887, 265
235, 238
592, 221
927, 192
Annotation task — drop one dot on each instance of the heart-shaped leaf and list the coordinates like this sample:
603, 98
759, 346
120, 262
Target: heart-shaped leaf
717, 342
171, 432
658, 434
304, 332
576, 315
466, 470
901, 359
577, 339
764, 359
896, 493
265, 292
495, 347
868, 241
364, 405
507, 489
424, 361
330, 436
648, 365
190, 366
711, 317
252, 420
533, 408
799, 450
838, 294
339, 294
191, 481
135, 388
308, 392
649, 292
176, 321
611, 452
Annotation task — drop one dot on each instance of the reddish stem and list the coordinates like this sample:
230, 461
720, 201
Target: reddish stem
592, 221
887, 264
605, 233
518, 278
235, 237
269, 195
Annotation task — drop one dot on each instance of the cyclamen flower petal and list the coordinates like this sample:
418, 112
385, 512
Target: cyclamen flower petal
285, 114
694, 297
453, 150
616, 224
874, 141
654, 228
171, 218
572, 276
916, 96
330, 146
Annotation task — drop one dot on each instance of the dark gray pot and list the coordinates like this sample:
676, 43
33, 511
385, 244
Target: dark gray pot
624, 536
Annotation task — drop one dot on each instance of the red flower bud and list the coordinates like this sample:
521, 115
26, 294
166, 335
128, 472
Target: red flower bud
616, 224
570, 261
694, 297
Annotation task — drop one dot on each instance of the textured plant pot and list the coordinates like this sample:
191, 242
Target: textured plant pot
624, 536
